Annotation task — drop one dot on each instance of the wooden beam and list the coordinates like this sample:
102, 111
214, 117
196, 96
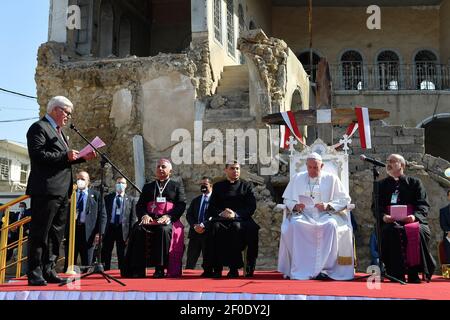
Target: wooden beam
338, 117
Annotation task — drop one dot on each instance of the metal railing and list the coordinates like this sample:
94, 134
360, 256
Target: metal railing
6, 228
4, 246
389, 76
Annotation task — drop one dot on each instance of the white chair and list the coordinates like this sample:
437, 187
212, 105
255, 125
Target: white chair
334, 162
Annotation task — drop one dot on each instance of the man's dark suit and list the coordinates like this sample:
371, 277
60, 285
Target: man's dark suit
444, 219
197, 241
85, 232
14, 235
49, 185
117, 233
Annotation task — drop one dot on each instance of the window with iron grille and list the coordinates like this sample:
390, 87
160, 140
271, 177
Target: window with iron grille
230, 27
352, 70
426, 70
23, 173
218, 20
388, 70
4, 169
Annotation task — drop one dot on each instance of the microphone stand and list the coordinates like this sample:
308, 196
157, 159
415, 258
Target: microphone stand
375, 197
98, 266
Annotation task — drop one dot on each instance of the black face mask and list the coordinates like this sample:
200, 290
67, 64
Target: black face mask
203, 189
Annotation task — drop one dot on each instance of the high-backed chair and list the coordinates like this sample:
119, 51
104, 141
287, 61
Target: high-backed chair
335, 162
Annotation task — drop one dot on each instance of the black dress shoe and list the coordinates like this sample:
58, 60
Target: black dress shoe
55, 279
233, 273
159, 273
207, 274
413, 278
217, 273
249, 272
37, 282
322, 276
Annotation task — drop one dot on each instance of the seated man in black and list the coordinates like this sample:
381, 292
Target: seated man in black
405, 243
159, 208
444, 219
230, 227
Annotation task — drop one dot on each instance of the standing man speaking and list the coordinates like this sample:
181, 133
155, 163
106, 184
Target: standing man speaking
49, 185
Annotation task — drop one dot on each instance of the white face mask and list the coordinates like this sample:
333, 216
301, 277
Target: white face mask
81, 184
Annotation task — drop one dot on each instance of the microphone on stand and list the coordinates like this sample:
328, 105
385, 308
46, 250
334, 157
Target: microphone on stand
372, 161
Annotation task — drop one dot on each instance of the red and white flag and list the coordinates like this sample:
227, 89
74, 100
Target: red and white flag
362, 114
350, 132
289, 129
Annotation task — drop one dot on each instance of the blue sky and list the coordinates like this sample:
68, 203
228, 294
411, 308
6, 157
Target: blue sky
23, 28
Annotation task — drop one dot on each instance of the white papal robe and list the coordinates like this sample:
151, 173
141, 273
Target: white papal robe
316, 242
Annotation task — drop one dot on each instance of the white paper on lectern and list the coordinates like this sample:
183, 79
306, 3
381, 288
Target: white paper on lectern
307, 201
96, 142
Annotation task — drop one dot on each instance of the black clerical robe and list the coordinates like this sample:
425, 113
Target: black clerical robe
149, 245
410, 192
227, 238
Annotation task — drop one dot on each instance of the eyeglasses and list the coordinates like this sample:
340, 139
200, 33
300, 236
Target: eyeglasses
392, 161
67, 114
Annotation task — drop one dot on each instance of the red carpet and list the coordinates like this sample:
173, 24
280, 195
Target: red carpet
264, 282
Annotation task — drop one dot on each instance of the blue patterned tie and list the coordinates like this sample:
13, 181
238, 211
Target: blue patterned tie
80, 204
201, 216
118, 206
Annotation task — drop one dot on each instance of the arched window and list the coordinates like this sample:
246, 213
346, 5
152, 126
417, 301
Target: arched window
296, 103
124, 37
241, 28
305, 60
218, 20
251, 26
352, 70
425, 66
388, 70
230, 27
106, 29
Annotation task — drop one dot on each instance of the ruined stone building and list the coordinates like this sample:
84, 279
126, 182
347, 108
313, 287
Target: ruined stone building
167, 78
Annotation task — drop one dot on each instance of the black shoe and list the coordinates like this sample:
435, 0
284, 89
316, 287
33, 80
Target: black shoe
322, 276
233, 273
413, 278
159, 273
207, 274
52, 277
249, 271
37, 281
217, 273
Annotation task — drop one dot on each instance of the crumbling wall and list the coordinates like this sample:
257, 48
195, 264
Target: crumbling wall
275, 72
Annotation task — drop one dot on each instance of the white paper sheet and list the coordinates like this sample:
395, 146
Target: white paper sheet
96, 142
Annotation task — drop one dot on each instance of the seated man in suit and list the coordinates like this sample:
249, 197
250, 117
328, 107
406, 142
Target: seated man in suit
14, 233
230, 224
121, 216
196, 215
90, 212
444, 218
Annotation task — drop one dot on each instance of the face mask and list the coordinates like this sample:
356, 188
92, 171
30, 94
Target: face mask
22, 210
203, 189
81, 184
120, 187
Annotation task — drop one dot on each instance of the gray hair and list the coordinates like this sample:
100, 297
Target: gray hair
399, 158
58, 101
